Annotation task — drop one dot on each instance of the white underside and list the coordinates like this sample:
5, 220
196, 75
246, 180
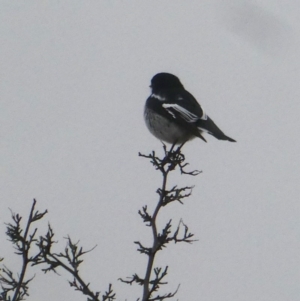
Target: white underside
165, 130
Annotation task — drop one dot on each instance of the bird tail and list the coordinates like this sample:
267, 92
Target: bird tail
211, 128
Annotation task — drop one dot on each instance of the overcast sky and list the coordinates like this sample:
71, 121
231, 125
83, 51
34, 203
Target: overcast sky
74, 78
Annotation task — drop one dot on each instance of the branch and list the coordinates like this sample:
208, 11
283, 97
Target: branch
22, 243
171, 160
69, 260
175, 194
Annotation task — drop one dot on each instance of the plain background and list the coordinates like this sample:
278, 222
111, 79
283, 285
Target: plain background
74, 78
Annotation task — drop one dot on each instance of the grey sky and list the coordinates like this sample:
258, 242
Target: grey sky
74, 78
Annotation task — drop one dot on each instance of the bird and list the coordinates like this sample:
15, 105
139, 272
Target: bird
173, 115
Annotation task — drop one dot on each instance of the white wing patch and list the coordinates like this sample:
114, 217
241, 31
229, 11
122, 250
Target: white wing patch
204, 116
204, 130
185, 114
159, 97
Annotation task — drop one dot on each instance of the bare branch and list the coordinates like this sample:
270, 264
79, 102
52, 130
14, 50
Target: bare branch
133, 279
172, 159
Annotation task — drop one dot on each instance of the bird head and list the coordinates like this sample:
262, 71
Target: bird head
165, 81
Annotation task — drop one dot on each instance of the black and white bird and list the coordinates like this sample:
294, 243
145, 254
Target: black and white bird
173, 115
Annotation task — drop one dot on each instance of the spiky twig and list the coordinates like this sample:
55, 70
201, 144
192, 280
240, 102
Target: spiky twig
22, 241
70, 261
172, 158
